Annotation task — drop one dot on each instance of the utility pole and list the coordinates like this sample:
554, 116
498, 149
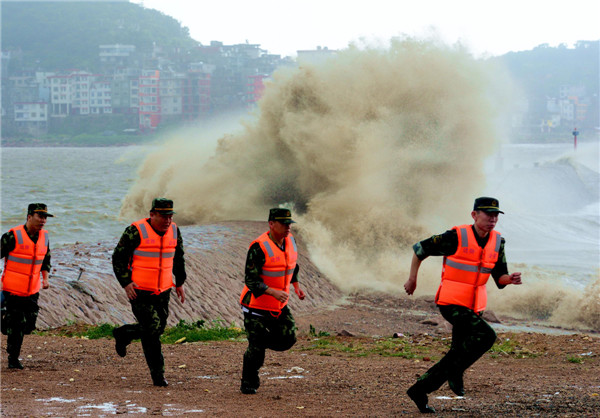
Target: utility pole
575, 133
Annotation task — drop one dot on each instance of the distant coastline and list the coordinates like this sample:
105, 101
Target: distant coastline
79, 141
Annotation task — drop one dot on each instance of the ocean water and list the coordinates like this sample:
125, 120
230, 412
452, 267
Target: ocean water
550, 194
83, 188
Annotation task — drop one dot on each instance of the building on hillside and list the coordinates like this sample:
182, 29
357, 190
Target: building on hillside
124, 90
255, 88
170, 87
100, 96
31, 117
196, 92
60, 95
316, 55
116, 55
149, 100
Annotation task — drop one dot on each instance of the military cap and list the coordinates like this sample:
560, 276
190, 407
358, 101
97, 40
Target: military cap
162, 206
39, 208
281, 215
487, 204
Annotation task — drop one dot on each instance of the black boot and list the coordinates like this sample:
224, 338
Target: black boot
159, 381
456, 384
120, 343
14, 363
419, 397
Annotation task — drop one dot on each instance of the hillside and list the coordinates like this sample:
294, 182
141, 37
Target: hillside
64, 35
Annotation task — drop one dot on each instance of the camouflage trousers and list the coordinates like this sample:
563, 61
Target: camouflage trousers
19, 315
471, 338
265, 332
151, 312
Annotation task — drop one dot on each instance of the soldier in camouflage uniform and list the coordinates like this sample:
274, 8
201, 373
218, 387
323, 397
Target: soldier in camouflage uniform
270, 269
471, 334
147, 287
21, 293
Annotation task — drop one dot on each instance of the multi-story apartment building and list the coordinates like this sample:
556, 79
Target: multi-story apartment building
169, 88
60, 95
31, 117
124, 90
149, 100
100, 96
255, 88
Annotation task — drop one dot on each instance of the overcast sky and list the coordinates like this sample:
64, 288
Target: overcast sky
485, 27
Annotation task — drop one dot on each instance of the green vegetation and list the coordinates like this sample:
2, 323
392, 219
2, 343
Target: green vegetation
313, 332
511, 347
188, 331
574, 359
365, 347
199, 331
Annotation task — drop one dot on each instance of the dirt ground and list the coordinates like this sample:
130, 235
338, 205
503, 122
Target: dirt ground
556, 373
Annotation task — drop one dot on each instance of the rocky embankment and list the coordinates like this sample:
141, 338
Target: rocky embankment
83, 288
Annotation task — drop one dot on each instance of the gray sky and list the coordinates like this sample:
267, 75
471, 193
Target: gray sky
485, 27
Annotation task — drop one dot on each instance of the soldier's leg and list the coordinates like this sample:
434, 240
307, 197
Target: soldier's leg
282, 331
152, 311
472, 336
15, 331
449, 365
254, 357
31, 310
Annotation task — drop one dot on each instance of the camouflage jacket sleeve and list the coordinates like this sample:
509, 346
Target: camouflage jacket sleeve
8, 244
255, 260
179, 262
447, 243
123, 253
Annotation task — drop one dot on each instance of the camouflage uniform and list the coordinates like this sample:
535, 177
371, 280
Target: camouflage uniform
150, 310
19, 313
471, 334
264, 330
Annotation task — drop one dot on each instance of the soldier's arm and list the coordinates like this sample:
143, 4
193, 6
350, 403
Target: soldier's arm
7, 244
255, 260
46, 265
442, 244
123, 253
295, 275
500, 268
179, 262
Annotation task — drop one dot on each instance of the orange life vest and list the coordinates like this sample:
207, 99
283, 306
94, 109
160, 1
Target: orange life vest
152, 264
24, 264
277, 272
466, 272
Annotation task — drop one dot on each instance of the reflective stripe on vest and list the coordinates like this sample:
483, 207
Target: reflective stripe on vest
277, 272
23, 264
466, 272
152, 265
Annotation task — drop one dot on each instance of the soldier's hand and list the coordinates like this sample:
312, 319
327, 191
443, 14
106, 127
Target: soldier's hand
515, 278
181, 293
130, 291
300, 293
280, 295
45, 284
410, 285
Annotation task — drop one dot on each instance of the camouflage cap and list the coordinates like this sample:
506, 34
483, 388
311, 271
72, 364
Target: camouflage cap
162, 206
39, 208
487, 204
281, 215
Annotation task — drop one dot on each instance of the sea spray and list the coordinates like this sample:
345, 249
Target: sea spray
373, 149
